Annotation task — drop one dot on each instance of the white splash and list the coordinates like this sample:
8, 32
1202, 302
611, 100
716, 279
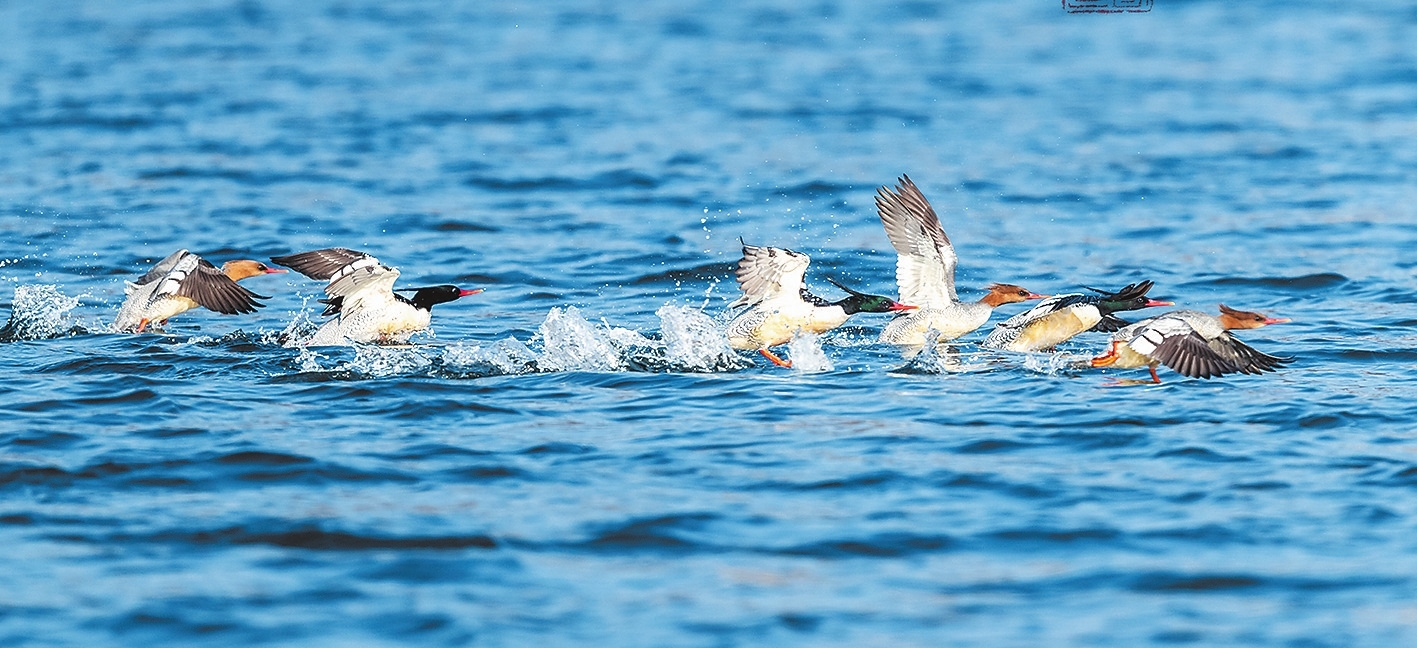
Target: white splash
1052, 364
570, 343
300, 329
805, 352
693, 341
506, 356
942, 359
39, 313
380, 361
310, 361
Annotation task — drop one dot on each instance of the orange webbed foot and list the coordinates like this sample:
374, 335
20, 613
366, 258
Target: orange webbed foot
775, 360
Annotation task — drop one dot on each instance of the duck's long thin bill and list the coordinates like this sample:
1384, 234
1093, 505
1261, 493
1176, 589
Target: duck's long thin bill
462, 292
1152, 302
897, 306
1276, 320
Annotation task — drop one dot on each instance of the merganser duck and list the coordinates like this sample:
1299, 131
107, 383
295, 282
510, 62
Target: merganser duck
925, 272
1192, 343
362, 296
184, 281
781, 306
1060, 317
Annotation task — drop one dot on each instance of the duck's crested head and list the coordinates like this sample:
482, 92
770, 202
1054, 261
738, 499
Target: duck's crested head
238, 270
1000, 294
1238, 319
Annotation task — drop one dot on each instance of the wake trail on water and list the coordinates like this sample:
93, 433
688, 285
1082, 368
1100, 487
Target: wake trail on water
689, 341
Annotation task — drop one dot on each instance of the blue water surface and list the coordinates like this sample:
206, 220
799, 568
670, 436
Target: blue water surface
571, 458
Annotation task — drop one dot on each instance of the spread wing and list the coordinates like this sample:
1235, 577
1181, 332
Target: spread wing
349, 271
1172, 342
925, 262
322, 264
767, 272
356, 279
184, 274
1246, 358
209, 286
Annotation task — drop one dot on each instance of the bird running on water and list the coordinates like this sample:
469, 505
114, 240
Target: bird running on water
184, 281
781, 306
1191, 343
362, 298
925, 273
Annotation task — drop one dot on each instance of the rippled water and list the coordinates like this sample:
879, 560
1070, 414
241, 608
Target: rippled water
575, 457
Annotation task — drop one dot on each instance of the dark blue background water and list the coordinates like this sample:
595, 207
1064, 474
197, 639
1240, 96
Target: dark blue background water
606, 475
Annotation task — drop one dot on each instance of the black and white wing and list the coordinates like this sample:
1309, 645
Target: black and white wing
327, 263
188, 275
1246, 358
765, 273
1174, 343
355, 278
925, 261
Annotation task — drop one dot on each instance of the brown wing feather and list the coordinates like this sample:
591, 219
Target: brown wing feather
208, 286
1246, 358
1189, 355
319, 264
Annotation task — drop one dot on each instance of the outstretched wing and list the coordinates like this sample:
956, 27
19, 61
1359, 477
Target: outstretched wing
324, 264
348, 271
1172, 342
1246, 358
925, 261
209, 286
767, 272
184, 274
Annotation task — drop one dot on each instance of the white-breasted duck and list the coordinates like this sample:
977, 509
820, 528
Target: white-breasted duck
363, 300
1060, 317
1191, 343
925, 272
781, 306
184, 281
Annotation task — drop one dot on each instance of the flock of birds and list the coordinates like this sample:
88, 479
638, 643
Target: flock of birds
365, 307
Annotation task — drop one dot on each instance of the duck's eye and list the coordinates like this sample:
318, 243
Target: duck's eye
1022, 293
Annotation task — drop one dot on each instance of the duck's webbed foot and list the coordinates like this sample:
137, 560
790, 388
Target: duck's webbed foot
773, 357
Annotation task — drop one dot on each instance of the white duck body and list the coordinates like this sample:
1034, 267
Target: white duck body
1052, 322
373, 321
361, 297
949, 321
769, 324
